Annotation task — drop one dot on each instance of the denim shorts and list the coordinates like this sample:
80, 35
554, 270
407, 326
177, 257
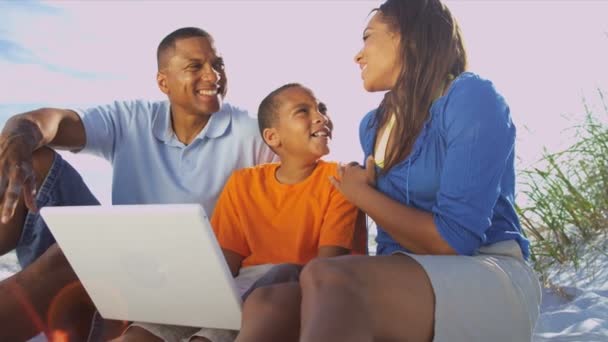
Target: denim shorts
62, 186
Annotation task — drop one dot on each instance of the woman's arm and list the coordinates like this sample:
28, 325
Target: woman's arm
412, 228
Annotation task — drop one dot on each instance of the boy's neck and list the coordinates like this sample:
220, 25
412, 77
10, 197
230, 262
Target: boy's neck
294, 171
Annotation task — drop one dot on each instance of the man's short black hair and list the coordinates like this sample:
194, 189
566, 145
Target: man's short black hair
267, 112
169, 41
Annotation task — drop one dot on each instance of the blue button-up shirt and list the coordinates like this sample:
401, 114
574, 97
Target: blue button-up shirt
149, 163
461, 169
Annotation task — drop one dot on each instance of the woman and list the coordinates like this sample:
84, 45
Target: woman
439, 181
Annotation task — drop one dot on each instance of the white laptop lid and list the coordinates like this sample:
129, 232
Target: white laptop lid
149, 263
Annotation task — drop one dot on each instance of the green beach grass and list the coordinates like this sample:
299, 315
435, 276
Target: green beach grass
566, 214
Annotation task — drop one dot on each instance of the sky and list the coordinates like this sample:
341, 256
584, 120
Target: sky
543, 56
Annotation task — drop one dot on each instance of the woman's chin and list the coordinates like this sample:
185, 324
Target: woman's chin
370, 87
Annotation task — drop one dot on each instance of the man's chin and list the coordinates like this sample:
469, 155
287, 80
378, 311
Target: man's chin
209, 109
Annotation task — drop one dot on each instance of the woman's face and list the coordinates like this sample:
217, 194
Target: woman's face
379, 59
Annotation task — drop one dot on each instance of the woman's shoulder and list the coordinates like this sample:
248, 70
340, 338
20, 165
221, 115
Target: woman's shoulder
367, 123
473, 97
368, 118
472, 84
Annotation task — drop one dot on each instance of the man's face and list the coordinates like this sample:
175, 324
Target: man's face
193, 77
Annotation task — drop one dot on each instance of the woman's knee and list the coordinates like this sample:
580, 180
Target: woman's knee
327, 273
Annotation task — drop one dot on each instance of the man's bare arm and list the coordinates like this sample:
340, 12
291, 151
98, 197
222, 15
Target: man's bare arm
21, 136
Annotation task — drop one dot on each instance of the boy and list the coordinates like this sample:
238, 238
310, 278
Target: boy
277, 213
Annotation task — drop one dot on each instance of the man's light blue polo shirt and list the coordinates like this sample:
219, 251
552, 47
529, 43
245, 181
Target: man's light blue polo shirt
150, 165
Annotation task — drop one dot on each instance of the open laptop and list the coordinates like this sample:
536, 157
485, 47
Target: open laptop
149, 263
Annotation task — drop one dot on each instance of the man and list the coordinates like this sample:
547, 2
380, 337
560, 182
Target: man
176, 151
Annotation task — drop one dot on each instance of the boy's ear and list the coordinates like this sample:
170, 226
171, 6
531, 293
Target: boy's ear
271, 137
161, 81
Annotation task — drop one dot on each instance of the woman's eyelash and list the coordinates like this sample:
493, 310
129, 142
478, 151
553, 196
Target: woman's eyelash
218, 63
322, 108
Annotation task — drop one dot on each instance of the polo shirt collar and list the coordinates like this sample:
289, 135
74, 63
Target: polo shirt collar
216, 127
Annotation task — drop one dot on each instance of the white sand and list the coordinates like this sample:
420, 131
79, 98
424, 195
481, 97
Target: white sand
581, 312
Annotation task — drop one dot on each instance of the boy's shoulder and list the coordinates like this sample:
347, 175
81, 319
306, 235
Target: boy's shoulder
254, 172
325, 169
328, 166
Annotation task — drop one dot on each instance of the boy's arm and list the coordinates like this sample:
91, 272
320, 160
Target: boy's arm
359, 240
338, 228
234, 261
225, 223
360, 234
332, 251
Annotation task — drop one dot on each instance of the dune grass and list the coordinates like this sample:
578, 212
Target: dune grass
567, 209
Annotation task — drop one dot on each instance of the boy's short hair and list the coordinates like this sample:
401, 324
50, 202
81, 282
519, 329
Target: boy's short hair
267, 111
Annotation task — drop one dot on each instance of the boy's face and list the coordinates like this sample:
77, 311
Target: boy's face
302, 129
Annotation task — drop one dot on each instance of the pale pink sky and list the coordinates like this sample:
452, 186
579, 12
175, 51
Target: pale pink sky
542, 55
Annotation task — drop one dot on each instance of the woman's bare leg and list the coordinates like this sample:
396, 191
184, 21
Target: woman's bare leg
360, 298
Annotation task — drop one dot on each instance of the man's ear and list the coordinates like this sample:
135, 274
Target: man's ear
271, 137
161, 81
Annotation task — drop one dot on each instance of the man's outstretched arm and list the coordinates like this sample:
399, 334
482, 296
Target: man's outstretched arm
22, 135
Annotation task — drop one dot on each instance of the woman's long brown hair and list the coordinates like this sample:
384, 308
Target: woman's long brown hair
431, 49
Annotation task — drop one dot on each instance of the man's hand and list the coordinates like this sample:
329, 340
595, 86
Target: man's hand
17, 175
353, 177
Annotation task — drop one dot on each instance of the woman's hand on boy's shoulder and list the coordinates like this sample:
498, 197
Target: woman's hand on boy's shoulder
352, 177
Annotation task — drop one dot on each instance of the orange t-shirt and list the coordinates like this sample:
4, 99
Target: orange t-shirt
268, 222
